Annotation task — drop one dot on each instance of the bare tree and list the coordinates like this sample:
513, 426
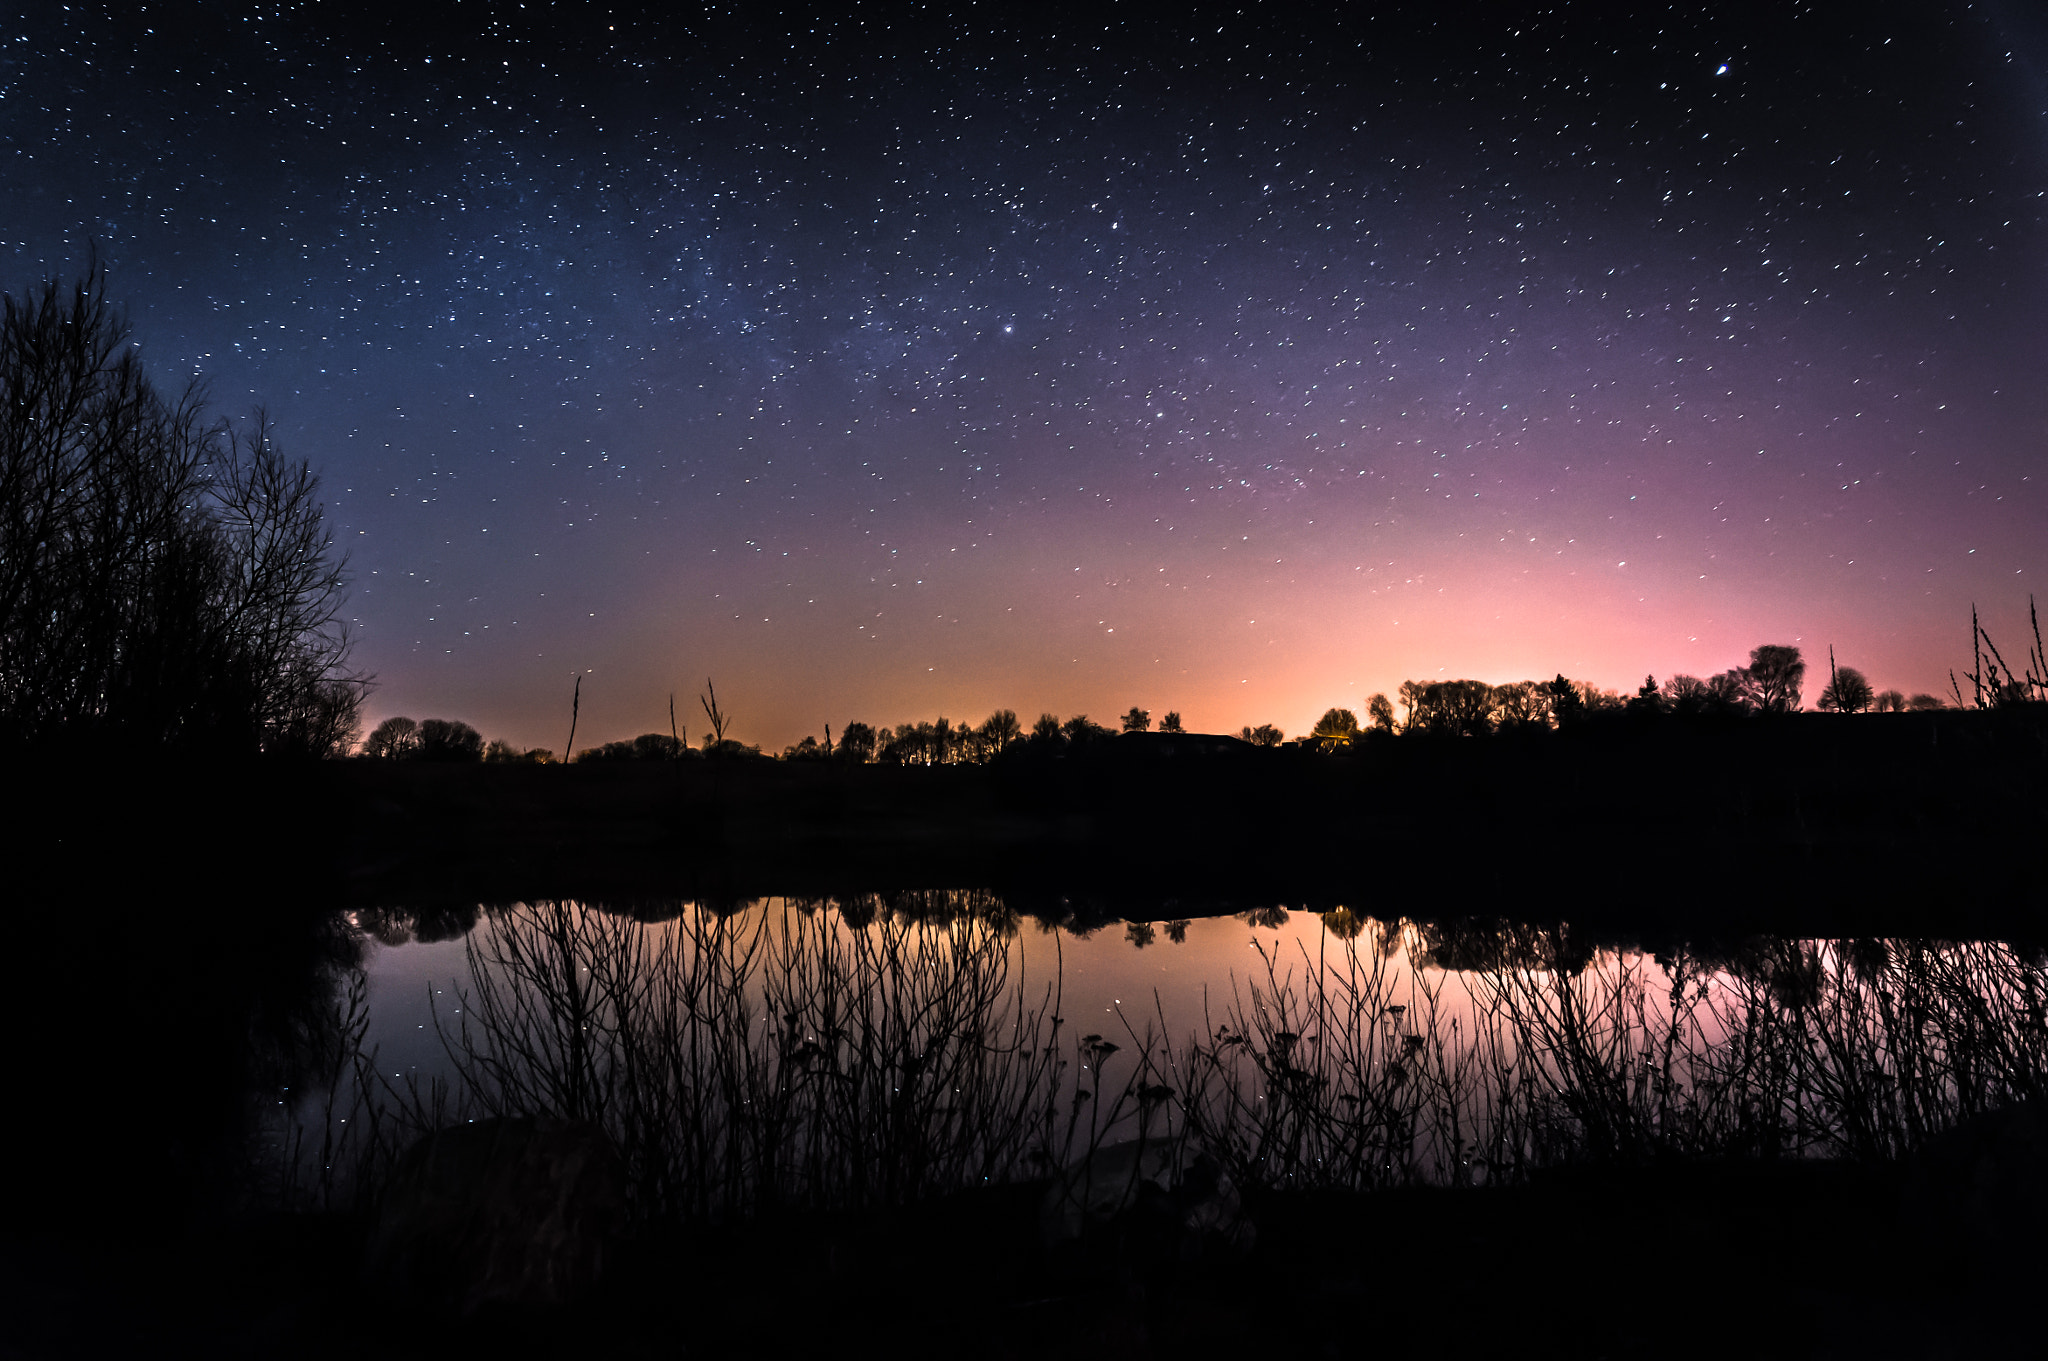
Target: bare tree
1847, 691
165, 580
999, 730
857, 743
719, 717
1772, 679
395, 737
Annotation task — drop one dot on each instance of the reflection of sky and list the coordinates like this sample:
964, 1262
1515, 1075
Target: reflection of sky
1106, 986
407, 985
1238, 366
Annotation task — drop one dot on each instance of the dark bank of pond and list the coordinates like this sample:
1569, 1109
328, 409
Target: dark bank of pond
1450, 1128
1819, 824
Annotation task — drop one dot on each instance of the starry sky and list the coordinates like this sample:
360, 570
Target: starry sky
890, 362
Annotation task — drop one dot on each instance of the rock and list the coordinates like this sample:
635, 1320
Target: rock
510, 1211
1102, 1185
1197, 1214
1986, 1180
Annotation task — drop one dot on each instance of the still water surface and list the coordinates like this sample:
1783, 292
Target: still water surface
836, 1054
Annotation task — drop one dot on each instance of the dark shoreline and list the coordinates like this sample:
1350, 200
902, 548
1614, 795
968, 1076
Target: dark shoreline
1817, 824
172, 918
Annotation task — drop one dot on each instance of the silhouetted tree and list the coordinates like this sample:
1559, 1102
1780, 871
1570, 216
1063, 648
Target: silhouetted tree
1265, 735
165, 580
1411, 693
1137, 720
1171, 723
1046, 733
1772, 679
1140, 934
1890, 702
1848, 692
857, 743
393, 738
1379, 711
1453, 708
1567, 706
1335, 730
1925, 703
1686, 696
999, 730
1726, 693
1079, 731
1520, 704
1648, 699
1597, 700
449, 739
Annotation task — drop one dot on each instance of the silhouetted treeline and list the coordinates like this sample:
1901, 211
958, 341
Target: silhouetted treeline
1770, 684
166, 580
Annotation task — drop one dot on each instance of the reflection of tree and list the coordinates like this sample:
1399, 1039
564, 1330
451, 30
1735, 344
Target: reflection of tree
1348, 1072
1343, 924
762, 1059
742, 1057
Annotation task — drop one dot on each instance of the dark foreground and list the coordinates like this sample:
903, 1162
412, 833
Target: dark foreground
1813, 823
176, 948
1789, 1260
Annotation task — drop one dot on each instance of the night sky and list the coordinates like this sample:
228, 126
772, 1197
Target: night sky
911, 362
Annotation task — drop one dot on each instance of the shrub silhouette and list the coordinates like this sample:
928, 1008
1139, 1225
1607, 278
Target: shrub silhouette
393, 739
1847, 693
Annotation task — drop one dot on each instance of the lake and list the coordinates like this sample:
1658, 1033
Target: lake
846, 1054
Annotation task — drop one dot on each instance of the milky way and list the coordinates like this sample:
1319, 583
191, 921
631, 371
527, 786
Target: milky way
895, 364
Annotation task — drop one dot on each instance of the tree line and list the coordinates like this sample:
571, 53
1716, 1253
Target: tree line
1772, 683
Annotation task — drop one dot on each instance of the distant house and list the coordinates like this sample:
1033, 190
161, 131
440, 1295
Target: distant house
1162, 746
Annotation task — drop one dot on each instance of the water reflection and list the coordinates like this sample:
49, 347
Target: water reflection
845, 1053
